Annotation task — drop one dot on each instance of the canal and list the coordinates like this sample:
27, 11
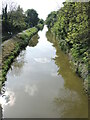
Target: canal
42, 84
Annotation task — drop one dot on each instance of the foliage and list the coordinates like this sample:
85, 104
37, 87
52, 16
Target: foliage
15, 20
41, 21
32, 17
40, 24
52, 17
71, 27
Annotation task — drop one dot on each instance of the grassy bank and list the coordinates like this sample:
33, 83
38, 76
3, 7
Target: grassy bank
12, 47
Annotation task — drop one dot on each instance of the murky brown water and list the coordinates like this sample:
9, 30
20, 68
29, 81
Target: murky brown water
40, 84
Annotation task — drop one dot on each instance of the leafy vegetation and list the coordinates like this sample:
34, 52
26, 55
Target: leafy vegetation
31, 17
71, 28
16, 20
51, 19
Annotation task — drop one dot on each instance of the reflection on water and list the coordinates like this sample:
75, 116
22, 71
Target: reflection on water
8, 98
42, 85
64, 68
17, 66
72, 97
31, 89
42, 60
34, 40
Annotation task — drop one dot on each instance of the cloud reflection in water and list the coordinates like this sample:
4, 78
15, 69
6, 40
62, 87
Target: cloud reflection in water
31, 89
42, 60
8, 98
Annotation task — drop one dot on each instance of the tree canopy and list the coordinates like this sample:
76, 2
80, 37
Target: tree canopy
32, 17
52, 17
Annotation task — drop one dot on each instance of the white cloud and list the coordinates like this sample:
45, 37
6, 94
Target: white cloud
54, 74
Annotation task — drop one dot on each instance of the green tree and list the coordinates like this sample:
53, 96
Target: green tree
51, 19
31, 17
13, 21
41, 21
5, 18
18, 19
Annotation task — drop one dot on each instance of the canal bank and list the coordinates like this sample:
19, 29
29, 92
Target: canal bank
70, 26
79, 68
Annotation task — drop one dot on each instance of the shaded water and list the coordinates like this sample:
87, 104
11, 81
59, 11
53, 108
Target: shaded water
40, 83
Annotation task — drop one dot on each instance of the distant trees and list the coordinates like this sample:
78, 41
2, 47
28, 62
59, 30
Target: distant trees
17, 19
14, 19
52, 17
41, 21
31, 17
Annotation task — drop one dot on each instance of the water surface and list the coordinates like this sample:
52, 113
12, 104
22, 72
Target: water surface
41, 84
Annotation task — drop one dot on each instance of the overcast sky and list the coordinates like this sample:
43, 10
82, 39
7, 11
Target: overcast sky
43, 7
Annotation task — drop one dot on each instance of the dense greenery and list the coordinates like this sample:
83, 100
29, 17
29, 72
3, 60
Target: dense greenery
12, 21
16, 20
71, 27
51, 19
40, 24
31, 17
